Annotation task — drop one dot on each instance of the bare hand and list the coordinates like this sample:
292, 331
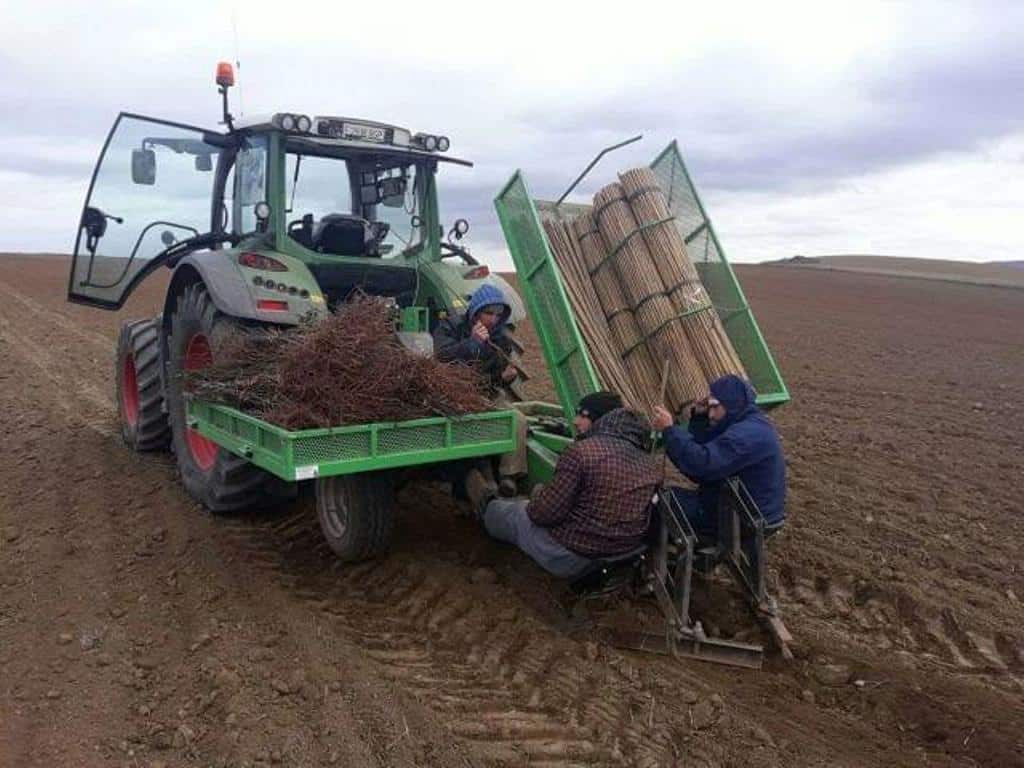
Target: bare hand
662, 419
698, 408
509, 374
480, 333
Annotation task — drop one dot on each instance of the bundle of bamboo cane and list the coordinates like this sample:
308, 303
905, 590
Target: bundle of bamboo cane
645, 316
659, 321
707, 337
626, 336
590, 317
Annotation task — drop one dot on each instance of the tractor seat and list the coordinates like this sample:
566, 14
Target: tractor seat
341, 234
608, 574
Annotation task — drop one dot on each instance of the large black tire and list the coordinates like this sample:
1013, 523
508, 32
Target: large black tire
219, 480
140, 394
356, 514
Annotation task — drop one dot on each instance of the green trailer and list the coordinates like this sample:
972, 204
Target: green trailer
309, 454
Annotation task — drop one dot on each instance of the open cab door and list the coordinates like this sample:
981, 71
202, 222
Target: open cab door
151, 197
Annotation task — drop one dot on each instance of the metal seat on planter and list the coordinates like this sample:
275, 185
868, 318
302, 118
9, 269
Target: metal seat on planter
608, 574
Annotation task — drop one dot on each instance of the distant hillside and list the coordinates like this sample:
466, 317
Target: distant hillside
1001, 273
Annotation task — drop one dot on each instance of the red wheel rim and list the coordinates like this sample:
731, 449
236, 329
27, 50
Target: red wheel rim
198, 355
129, 391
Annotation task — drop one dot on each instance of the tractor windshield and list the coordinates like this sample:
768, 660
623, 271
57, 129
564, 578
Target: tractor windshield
324, 185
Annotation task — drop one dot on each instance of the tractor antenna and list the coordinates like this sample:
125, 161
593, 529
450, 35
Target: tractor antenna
225, 79
593, 162
238, 59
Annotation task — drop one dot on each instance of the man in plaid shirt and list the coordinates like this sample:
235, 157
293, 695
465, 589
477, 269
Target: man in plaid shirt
597, 504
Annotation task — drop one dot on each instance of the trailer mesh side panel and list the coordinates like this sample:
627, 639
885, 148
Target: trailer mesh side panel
541, 284
706, 253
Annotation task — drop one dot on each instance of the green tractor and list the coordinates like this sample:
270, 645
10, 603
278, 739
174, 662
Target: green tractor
268, 222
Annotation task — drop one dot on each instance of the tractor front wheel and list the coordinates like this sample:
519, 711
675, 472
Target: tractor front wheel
140, 394
215, 477
356, 513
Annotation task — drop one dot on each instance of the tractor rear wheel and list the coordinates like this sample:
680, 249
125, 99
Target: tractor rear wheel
140, 394
215, 477
356, 513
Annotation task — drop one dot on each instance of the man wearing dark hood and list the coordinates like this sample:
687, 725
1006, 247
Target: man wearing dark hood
478, 338
728, 436
598, 502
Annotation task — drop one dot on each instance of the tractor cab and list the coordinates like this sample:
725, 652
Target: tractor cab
280, 215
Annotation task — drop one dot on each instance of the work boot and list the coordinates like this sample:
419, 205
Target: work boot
480, 491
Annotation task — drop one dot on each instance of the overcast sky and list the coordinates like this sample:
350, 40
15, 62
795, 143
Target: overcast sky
892, 128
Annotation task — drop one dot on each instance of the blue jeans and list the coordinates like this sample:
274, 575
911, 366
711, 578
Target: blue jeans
506, 520
703, 521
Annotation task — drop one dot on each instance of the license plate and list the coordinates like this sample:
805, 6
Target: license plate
362, 132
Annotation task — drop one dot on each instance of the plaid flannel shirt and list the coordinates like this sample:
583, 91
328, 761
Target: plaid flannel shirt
598, 503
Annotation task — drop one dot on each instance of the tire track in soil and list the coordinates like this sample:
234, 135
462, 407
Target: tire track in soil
505, 683
889, 619
62, 321
22, 345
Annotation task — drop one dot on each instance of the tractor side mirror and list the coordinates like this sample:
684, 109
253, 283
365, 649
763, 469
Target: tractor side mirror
204, 162
391, 192
167, 238
144, 166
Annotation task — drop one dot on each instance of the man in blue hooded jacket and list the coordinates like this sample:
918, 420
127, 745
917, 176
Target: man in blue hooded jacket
728, 436
478, 338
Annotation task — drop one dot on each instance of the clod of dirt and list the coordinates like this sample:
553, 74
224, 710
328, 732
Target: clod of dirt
90, 639
183, 736
226, 679
65, 637
53, 693
761, 736
690, 697
117, 612
12, 534
832, 674
807, 695
281, 687
162, 740
704, 715
483, 576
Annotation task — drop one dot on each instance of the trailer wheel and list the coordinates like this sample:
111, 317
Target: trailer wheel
356, 513
213, 476
140, 394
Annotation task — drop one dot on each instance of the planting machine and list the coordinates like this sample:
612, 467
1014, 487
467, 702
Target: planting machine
275, 220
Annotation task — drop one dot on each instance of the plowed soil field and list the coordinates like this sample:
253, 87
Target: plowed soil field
138, 630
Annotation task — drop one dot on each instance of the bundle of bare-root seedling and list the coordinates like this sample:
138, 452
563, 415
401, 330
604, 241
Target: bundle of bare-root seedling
642, 308
349, 368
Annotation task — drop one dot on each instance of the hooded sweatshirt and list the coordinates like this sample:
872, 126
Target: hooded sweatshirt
744, 443
598, 503
454, 341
